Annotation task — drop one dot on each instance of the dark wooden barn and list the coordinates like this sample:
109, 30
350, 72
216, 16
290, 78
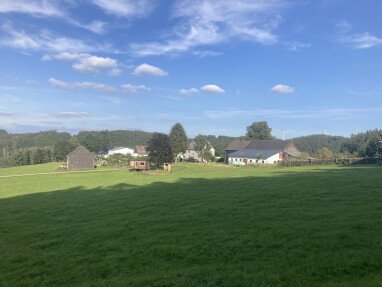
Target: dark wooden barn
80, 158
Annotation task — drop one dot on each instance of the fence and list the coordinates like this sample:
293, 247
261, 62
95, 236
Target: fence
339, 161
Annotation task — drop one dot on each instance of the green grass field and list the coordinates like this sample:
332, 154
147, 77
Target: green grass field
198, 226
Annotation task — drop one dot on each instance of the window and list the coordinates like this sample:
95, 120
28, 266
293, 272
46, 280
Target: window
250, 160
257, 161
262, 161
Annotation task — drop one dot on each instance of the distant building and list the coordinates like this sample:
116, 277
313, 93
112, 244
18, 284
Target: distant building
242, 152
234, 146
122, 150
192, 154
80, 158
141, 150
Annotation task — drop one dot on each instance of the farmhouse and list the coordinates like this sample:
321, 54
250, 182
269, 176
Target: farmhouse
121, 150
260, 152
192, 154
80, 158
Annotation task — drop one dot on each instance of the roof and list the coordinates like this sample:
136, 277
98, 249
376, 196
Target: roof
237, 144
254, 153
293, 154
81, 148
191, 145
140, 149
279, 145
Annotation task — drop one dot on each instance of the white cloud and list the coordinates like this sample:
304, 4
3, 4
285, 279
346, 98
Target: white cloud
46, 41
96, 64
296, 46
88, 63
282, 89
48, 8
31, 83
362, 41
189, 91
356, 40
96, 26
82, 85
126, 8
202, 22
212, 89
146, 69
65, 56
129, 88
69, 115
36, 7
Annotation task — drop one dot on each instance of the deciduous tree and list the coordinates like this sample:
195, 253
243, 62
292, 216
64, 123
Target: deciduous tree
259, 131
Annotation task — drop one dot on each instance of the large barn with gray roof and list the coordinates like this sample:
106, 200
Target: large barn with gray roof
247, 152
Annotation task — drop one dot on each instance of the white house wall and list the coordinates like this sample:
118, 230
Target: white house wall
252, 161
124, 151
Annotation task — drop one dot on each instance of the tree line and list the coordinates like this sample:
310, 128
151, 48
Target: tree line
41, 147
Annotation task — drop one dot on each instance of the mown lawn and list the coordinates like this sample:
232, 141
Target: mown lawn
198, 226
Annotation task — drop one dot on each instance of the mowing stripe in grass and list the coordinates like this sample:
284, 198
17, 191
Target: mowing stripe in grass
58, 172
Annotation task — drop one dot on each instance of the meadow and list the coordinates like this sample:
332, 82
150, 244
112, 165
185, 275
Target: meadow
201, 225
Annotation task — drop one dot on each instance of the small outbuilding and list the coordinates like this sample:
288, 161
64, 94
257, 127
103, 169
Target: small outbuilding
80, 158
139, 165
167, 167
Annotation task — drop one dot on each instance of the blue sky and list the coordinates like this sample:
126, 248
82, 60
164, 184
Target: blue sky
307, 66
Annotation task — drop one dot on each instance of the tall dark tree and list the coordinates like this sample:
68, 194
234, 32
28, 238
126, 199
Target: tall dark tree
259, 131
178, 140
159, 149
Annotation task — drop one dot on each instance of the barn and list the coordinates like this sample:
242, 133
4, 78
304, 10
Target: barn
80, 158
260, 152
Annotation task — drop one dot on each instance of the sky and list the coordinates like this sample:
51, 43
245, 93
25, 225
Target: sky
304, 66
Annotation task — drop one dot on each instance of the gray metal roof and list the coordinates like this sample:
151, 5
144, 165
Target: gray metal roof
237, 144
268, 145
254, 153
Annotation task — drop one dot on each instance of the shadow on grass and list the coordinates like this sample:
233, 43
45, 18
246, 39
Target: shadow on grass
318, 228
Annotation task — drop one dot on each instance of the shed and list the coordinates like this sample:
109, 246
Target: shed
167, 167
139, 165
80, 158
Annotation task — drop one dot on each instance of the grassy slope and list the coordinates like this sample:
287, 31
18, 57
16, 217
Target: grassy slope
48, 167
199, 226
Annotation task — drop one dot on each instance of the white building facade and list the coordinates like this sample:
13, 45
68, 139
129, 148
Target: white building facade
250, 160
123, 151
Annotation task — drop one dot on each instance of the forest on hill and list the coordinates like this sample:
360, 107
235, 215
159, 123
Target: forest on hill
47, 146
